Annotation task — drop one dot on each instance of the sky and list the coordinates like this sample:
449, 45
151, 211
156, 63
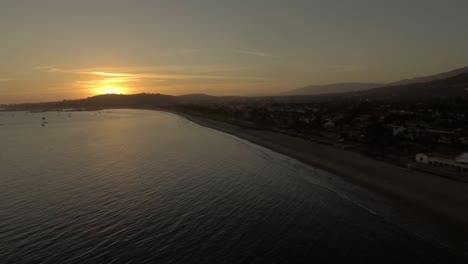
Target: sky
67, 49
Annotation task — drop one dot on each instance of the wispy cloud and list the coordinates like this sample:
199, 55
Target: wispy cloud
253, 53
121, 71
119, 76
6, 79
135, 76
43, 67
181, 52
344, 68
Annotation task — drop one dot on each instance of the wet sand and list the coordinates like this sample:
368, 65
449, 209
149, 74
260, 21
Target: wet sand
423, 201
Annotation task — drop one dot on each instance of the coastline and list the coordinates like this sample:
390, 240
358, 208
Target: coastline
429, 200
432, 207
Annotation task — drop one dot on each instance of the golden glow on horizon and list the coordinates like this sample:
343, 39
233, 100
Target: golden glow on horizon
111, 89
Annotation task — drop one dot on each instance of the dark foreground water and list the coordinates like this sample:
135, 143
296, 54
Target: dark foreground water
127, 186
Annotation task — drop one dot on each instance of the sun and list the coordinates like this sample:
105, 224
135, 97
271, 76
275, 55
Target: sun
111, 90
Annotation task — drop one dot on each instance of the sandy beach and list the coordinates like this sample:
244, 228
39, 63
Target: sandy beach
423, 201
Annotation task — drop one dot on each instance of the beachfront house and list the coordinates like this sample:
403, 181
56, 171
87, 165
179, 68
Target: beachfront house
460, 163
422, 158
462, 158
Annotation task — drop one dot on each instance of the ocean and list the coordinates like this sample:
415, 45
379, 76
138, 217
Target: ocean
134, 186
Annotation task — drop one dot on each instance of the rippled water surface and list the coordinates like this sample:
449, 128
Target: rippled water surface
128, 186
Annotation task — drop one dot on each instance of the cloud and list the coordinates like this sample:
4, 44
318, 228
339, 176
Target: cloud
43, 67
6, 79
180, 52
253, 53
109, 74
135, 76
344, 68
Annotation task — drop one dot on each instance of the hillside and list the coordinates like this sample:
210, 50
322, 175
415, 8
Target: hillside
357, 86
454, 87
450, 87
434, 77
333, 88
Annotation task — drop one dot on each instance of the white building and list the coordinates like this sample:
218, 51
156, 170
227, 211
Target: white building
462, 158
422, 158
460, 163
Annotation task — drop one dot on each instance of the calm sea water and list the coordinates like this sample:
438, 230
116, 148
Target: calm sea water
127, 186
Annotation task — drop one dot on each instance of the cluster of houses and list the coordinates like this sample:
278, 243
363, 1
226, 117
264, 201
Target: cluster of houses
400, 124
413, 132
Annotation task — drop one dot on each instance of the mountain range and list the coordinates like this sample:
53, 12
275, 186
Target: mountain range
450, 87
453, 84
333, 88
354, 87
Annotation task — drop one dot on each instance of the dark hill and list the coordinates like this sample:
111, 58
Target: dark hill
434, 77
450, 87
333, 88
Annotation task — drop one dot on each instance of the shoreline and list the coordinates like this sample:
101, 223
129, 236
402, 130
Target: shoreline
423, 200
432, 207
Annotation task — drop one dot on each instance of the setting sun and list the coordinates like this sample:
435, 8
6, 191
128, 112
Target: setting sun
111, 90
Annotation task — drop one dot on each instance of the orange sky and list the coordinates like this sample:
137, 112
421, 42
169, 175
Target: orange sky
54, 50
